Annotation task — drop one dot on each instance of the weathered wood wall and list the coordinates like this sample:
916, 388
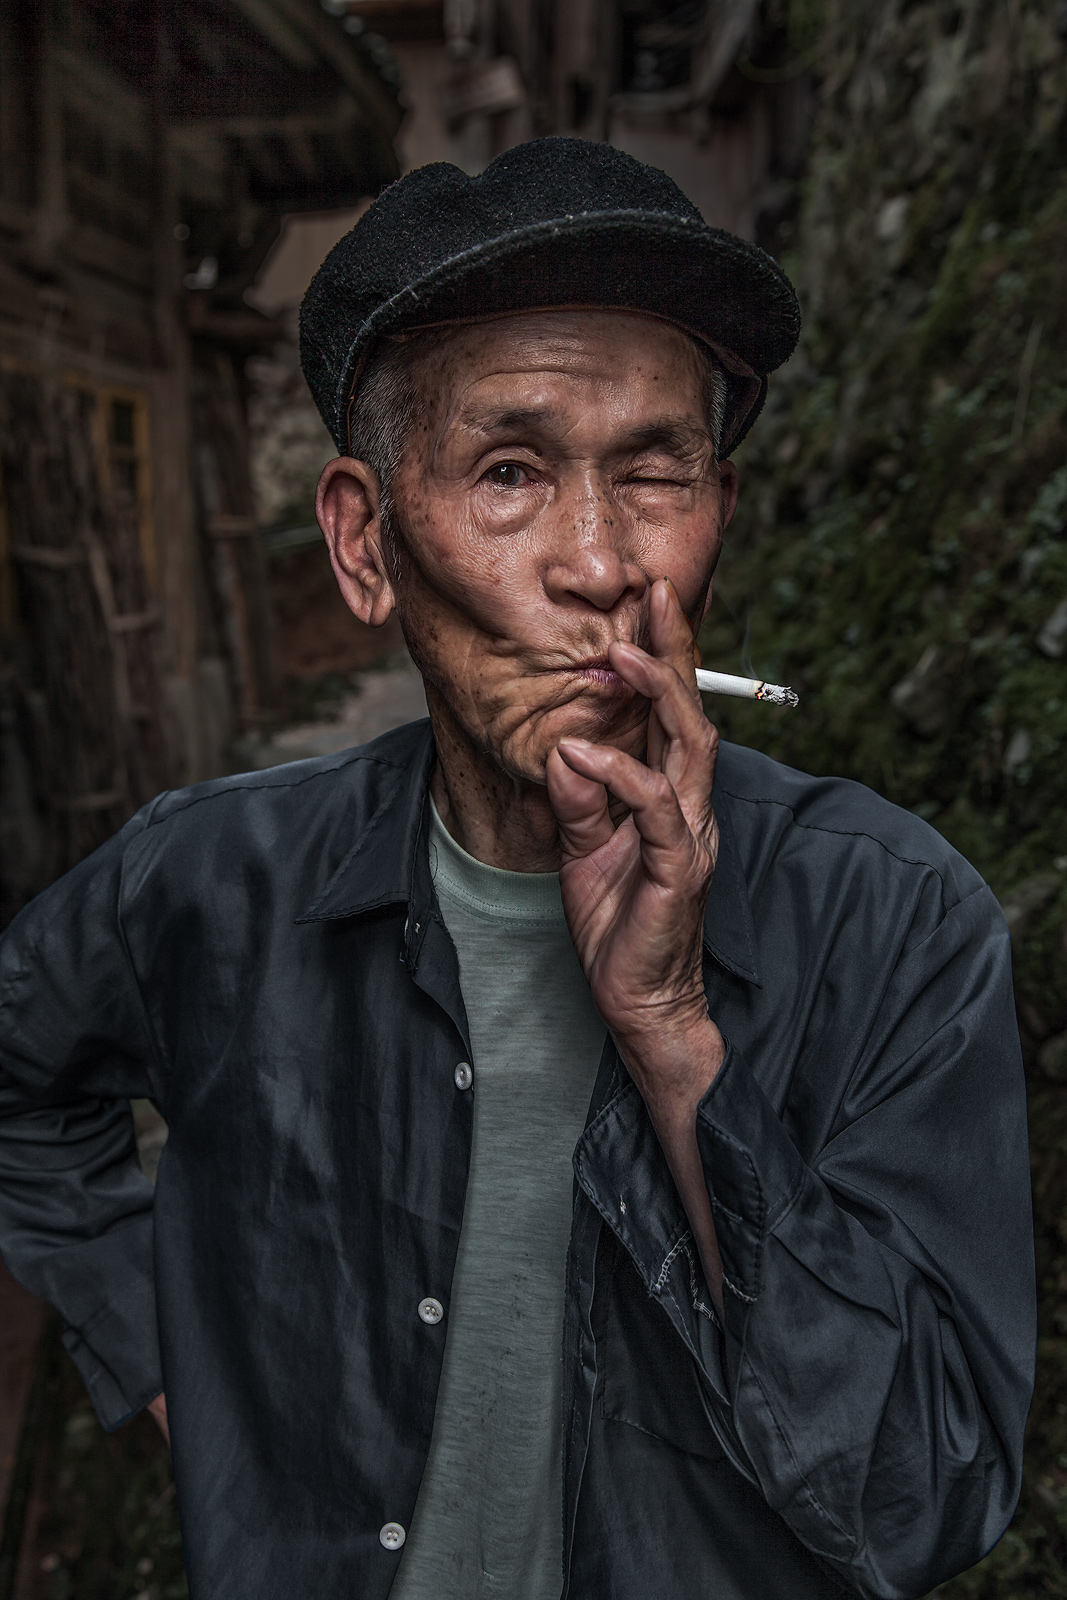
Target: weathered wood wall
147, 154
90, 690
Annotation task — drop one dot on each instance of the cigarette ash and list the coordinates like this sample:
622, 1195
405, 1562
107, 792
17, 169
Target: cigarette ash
777, 694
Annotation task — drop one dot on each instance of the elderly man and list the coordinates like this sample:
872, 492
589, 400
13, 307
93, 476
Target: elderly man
597, 1158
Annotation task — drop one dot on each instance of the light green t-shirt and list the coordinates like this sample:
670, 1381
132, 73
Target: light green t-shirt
489, 1517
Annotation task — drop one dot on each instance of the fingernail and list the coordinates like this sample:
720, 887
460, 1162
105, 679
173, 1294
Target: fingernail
673, 592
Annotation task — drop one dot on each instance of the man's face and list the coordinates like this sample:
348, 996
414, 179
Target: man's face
563, 464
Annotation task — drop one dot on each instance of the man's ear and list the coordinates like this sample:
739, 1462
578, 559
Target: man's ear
729, 484
348, 508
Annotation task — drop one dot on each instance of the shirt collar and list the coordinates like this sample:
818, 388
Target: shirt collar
379, 869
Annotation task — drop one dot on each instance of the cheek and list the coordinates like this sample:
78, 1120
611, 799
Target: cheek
505, 514
690, 569
468, 579
686, 554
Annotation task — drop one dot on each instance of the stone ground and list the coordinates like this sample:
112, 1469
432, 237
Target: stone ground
376, 701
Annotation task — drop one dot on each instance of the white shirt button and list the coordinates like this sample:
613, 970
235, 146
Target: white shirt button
463, 1075
431, 1310
392, 1535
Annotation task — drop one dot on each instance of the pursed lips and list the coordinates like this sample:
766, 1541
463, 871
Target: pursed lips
598, 670
595, 670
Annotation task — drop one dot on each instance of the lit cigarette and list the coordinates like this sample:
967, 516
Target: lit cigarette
746, 688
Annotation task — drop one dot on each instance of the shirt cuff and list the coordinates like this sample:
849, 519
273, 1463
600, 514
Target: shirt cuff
620, 1166
752, 1168
116, 1347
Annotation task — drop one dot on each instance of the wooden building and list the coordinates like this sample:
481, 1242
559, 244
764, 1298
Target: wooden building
148, 150
715, 92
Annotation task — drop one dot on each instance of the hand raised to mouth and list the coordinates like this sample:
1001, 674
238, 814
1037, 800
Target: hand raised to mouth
635, 894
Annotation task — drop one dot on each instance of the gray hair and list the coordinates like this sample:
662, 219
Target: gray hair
388, 404
385, 409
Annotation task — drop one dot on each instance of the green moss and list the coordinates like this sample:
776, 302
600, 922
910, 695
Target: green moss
904, 500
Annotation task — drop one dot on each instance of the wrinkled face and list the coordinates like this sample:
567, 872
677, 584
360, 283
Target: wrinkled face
562, 465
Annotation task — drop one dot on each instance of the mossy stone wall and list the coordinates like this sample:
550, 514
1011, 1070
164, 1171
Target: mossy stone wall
900, 553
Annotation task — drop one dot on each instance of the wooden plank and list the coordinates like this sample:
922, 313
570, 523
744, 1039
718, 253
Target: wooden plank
488, 87
275, 27
9, 618
102, 95
139, 454
106, 194
104, 744
50, 221
91, 247
728, 23
338, 52
15, 218
341, 111
236, 563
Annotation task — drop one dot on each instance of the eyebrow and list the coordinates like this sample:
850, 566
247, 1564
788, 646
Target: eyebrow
674, 434
510, 418
678, 436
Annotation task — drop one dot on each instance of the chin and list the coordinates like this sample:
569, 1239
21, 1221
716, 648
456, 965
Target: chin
525, 751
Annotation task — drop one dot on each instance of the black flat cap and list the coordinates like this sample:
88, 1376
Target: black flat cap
552, 223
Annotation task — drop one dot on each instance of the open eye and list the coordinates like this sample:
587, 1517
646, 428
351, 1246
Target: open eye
505, 474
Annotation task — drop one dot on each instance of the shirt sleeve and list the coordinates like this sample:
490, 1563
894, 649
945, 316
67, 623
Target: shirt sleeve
75, 1209
875, 1363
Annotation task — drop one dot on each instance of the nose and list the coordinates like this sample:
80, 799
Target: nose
594, 570
599, 576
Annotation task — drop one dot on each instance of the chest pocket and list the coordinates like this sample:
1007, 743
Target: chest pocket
647, 1377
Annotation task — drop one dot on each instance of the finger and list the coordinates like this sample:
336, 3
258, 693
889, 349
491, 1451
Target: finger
689, 741
671, 640
580, 805
666, 839
658, 681
671, 633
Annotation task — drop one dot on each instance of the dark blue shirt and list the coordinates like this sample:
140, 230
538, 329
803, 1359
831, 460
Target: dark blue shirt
264, 957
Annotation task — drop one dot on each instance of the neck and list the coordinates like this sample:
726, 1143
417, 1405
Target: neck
501, 820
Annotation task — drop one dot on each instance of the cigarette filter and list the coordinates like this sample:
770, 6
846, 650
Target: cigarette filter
774, 694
